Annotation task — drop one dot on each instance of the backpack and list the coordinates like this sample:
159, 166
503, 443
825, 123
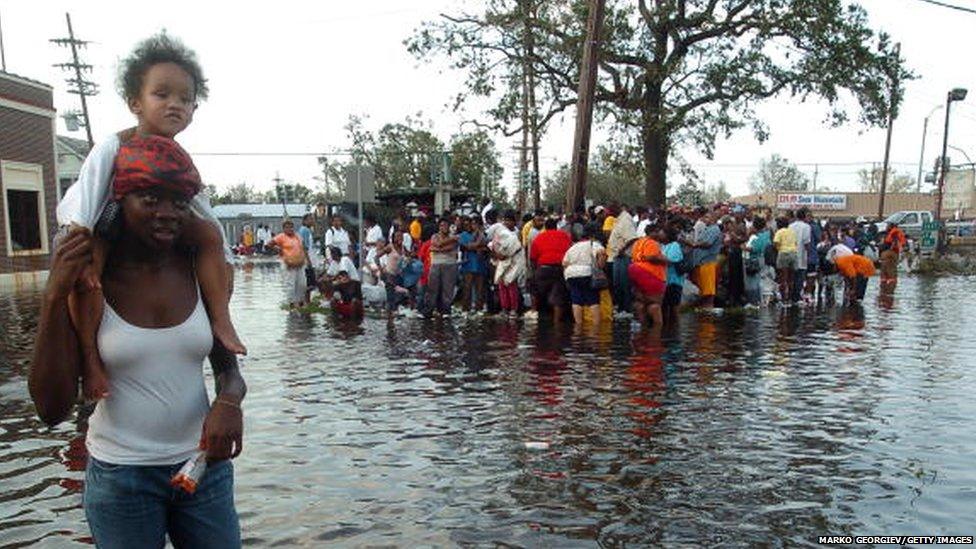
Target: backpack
770, 254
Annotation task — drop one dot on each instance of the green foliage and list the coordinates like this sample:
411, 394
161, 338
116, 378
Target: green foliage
333, 180
870, 181
778, 174
242, 193
474, 161
688, 194
292, 193
409, 154
691, 194
678, 73
399, 153
613, 176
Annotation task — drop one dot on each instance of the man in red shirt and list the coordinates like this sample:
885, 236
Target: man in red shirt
546, 255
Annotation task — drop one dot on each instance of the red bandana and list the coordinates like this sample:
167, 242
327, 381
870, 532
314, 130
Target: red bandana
148, 161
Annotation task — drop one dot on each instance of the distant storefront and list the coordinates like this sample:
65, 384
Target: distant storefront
841, 205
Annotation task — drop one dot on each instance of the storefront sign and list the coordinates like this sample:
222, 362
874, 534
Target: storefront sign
793, 201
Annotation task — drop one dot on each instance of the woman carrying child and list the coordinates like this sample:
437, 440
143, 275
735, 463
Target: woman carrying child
161, 82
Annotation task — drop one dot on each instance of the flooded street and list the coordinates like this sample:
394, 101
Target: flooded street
765, 427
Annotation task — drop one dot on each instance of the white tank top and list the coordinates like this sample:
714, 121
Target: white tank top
154, 414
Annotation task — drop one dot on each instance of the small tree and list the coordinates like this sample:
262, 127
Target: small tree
870, 181
778, 174
716, 193
614, 175
242, 193
688, 195
474, 161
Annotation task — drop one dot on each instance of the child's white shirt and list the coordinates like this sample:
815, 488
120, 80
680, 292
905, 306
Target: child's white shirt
85, 199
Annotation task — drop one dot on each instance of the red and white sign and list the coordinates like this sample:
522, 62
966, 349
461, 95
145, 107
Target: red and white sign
795, 201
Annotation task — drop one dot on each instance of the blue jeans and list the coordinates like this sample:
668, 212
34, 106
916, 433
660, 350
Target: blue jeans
621, 283
135, 506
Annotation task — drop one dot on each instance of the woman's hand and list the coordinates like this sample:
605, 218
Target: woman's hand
223, 430
73, 254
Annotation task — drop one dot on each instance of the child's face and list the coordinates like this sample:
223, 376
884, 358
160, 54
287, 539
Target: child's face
166, 101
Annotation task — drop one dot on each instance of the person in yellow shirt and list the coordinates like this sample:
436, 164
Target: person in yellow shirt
247, 239
786, 256
608, 223
415, 229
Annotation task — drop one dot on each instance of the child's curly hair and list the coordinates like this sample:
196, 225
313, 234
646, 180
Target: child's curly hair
159, 48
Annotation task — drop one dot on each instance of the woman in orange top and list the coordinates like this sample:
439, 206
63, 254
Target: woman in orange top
648, 274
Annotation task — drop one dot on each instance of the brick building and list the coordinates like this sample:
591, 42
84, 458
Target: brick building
28, 192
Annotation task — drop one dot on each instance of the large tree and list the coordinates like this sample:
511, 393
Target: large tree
673, 72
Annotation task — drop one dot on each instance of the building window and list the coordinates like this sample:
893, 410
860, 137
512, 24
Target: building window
25, 214
25, 222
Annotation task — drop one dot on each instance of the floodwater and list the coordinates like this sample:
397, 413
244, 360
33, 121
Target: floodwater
773, 427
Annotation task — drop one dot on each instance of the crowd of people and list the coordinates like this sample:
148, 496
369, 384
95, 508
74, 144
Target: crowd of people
587, 266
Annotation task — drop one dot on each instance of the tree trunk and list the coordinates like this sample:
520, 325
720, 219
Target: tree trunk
656, 148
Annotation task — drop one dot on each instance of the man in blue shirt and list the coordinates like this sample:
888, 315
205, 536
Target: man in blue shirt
305, 234
706, 250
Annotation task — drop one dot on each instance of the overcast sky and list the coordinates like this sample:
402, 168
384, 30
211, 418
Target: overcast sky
285, 76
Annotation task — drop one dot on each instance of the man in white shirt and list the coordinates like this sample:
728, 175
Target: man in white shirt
374, 232
801, 228
337, 237
263, 236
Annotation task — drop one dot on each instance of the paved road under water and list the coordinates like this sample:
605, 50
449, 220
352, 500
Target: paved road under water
772, 427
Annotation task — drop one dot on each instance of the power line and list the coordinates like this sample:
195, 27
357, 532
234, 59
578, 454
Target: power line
950, 6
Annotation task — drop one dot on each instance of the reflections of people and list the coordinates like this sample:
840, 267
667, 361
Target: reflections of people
153, 339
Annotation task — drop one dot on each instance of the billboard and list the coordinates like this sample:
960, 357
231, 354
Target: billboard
793, 201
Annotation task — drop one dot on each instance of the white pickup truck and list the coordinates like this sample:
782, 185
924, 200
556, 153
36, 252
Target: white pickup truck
911, 221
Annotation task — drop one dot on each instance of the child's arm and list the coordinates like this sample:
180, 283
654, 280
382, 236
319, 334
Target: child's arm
214, 275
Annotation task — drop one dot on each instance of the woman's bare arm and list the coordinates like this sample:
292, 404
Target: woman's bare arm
56, 365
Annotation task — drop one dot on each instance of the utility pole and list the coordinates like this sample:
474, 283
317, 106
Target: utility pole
83, 88
816, 172
576, 193
892, 113
3, 55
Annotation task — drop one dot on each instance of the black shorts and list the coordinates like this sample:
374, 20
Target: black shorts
672, 295
549, 286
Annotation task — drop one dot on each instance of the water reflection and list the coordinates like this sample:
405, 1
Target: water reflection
761, 427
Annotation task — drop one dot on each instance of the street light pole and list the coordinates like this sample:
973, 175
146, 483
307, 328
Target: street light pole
957, 94
921, 155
